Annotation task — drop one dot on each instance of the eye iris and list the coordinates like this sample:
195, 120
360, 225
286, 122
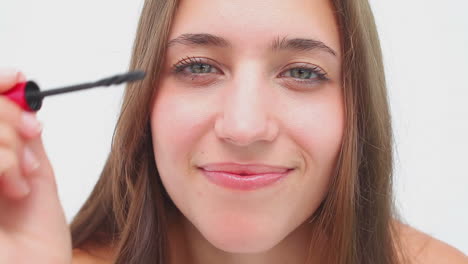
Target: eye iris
200, 68
302, 73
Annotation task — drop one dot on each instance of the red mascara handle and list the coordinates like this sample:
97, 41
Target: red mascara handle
19, 95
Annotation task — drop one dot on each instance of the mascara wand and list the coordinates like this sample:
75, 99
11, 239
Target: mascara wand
29, 96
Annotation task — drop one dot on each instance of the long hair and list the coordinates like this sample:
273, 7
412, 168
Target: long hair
128, 207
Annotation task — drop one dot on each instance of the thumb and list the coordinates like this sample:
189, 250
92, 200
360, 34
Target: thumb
38, 219
40, 213
42, 180
44, 171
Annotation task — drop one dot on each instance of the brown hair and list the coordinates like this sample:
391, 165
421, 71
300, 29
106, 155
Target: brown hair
128, 206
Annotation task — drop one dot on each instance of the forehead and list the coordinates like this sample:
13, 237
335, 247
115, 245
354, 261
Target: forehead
256, 23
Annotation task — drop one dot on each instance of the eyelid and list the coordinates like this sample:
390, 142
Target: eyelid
189, 60
310, 66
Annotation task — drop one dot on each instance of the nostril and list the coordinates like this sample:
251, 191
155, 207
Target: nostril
245, 127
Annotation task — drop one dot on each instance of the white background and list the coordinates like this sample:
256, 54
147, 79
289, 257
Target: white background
425, 44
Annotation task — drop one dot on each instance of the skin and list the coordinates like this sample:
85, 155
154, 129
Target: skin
243, 110
217, 225
33, 228
249, 108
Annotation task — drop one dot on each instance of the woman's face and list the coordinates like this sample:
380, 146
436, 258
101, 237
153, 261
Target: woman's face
243, 101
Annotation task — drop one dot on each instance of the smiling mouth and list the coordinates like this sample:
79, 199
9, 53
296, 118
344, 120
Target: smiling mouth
244, 169
245, 177
247, 174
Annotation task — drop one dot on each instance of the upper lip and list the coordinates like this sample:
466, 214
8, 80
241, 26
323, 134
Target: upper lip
249, 169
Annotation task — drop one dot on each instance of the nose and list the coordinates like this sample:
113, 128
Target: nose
247, 112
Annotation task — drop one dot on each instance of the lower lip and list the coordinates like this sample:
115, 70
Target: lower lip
246, 182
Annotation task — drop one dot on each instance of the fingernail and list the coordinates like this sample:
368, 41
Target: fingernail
30, 122
20, 77
22, 187
30, 161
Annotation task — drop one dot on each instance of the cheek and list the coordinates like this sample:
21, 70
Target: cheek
174, 131
316, 124
177, 123
324, 133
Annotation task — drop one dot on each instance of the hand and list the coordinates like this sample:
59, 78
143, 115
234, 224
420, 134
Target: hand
33, 228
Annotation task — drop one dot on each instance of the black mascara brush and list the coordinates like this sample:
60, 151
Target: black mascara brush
29, 96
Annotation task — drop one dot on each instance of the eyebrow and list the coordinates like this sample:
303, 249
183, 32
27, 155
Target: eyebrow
300, 44
285, 43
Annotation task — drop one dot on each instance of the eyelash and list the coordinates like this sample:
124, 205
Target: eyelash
185, 62
189, 61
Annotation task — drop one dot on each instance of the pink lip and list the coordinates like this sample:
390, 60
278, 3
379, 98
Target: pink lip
244, 177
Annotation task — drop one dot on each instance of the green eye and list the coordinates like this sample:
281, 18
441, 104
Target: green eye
200, 68
302, 73
194, 66
306, 75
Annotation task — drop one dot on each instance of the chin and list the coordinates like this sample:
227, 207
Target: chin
238, 236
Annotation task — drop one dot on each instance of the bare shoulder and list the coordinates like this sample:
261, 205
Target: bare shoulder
92, 256
422, 248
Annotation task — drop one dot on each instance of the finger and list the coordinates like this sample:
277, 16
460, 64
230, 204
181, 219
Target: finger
16, 163
12, 184
9, 138
25, 122
45, 170
31, 210
9, 77
40, 210
21, 77
29, 161
39, 214
10, 112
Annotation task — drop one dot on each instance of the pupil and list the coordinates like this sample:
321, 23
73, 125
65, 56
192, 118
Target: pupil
201, 68
302, 73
